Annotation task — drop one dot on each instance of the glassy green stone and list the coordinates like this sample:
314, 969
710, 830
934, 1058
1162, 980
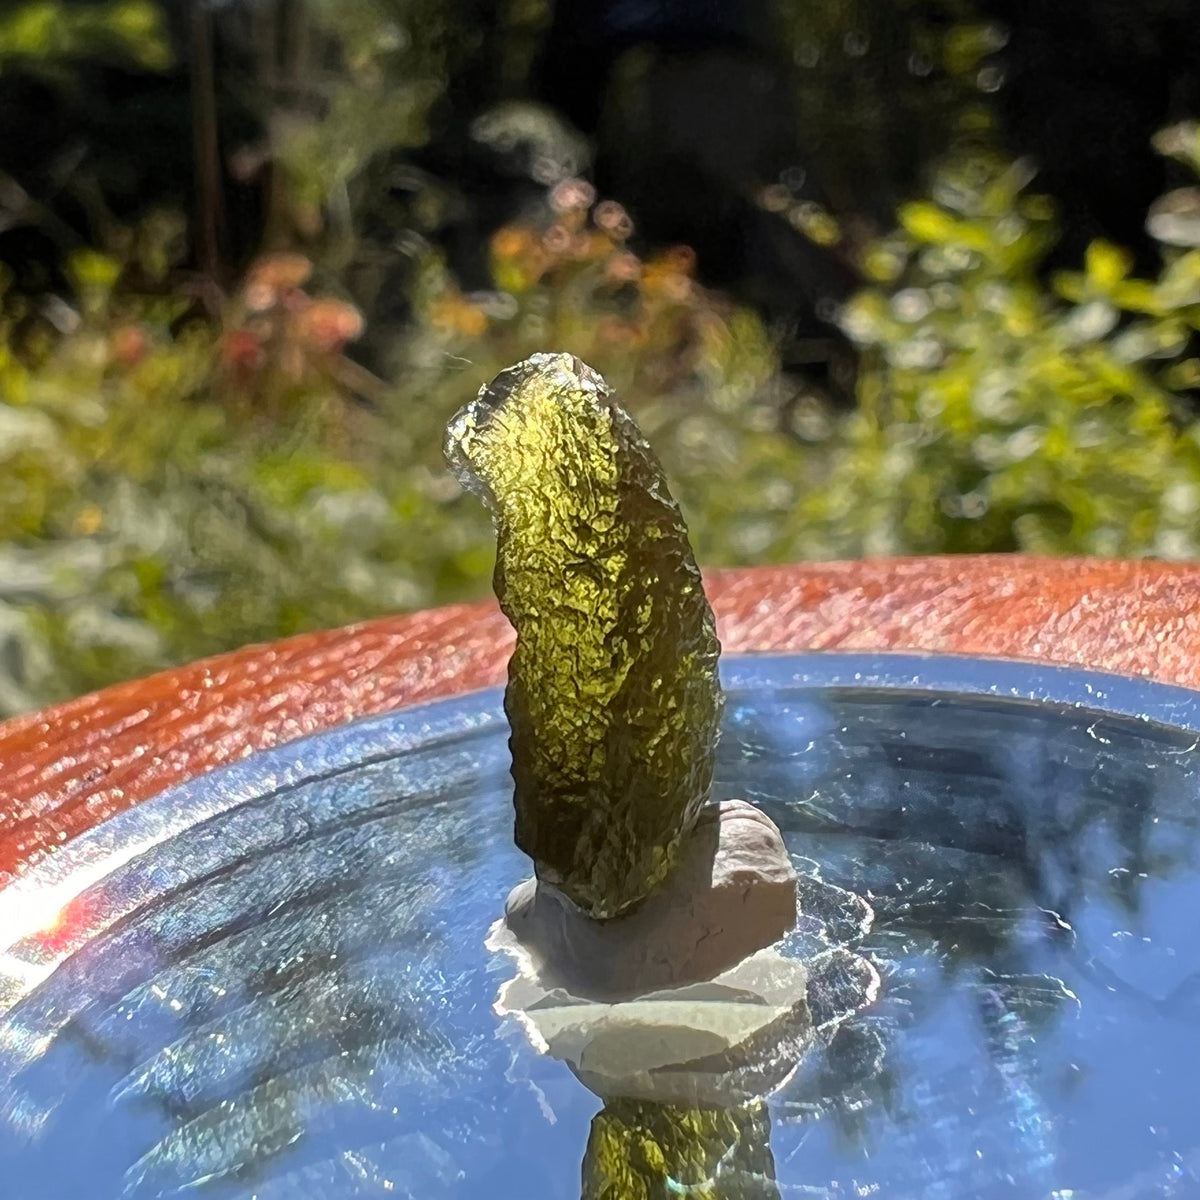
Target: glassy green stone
613, 695
639, 1150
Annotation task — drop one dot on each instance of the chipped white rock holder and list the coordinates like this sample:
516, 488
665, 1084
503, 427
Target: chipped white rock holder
682, 1001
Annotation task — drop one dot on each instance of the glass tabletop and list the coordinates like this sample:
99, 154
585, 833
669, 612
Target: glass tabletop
272, 981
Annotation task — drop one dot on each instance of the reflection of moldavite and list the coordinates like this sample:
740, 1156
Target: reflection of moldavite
640, 1150
612, 690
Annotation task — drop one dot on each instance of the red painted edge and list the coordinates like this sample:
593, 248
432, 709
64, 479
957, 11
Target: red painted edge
65, 769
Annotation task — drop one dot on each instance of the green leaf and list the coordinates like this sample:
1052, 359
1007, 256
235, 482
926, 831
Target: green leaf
928, 223
1106, 265
91, 270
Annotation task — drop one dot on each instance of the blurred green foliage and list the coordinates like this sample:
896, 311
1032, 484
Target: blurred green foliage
996, 414
49, 33
884, 88
355, 81
186, 468
173, 484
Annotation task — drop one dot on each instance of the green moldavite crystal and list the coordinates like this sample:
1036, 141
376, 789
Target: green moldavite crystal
613, 695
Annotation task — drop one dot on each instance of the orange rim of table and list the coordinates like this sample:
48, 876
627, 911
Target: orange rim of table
65, 769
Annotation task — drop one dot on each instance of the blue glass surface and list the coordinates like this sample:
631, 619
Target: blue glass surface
271, 982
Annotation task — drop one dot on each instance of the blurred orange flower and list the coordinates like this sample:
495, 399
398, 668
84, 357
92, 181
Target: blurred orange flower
270, 279
128, 345
242, 350
327, 325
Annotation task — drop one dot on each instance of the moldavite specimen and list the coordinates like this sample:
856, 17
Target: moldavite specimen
612, 693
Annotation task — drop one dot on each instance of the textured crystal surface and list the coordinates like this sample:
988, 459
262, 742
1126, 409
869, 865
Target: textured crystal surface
613, 695
642, 1151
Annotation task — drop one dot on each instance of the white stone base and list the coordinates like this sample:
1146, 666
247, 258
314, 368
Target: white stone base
682, 1001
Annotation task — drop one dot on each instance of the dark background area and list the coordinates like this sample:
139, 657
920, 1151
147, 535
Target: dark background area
690, 106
